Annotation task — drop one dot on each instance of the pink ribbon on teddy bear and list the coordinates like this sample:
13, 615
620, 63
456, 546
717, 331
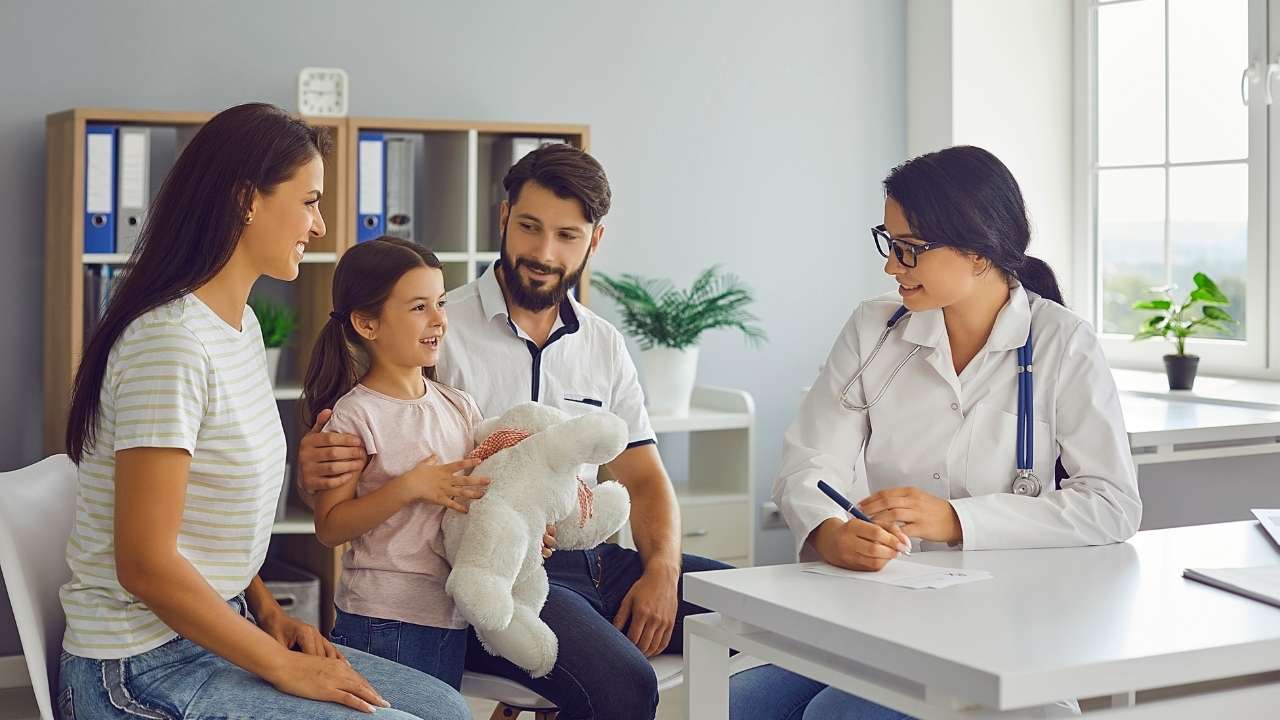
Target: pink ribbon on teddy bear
503, 439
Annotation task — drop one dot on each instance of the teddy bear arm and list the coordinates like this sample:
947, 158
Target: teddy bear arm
611, 507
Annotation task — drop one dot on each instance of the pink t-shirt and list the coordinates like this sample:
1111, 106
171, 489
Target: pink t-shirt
397, 570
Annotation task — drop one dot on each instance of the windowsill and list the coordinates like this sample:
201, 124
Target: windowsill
1241, 392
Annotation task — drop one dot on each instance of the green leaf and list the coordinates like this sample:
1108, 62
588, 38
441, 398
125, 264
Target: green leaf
1206, 297
1147, 334
655, 313
1152, 305
1209, 288
276, 321
1216, 313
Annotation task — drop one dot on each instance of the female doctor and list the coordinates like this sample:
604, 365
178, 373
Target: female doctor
935, 411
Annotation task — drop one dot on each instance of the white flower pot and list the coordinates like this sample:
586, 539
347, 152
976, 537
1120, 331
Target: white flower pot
273, 364
668, 379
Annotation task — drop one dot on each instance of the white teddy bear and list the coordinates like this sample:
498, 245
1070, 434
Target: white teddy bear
532, 454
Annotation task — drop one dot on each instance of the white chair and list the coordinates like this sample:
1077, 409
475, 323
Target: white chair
514, 698
35, 522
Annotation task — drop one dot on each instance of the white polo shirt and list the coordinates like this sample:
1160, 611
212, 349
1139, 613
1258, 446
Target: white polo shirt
583, 366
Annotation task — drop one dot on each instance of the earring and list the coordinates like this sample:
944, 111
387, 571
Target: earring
248, 219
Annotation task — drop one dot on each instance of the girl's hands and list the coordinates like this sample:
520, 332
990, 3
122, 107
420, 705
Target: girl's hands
437, 484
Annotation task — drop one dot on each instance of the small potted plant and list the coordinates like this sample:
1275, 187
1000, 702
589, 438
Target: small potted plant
667, 323
1178, 321
277, 322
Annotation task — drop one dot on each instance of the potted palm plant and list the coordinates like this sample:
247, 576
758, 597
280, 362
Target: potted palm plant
277, 322
1176, 321
667, 322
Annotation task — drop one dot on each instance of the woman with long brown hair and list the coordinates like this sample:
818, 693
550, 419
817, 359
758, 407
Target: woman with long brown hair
180, 455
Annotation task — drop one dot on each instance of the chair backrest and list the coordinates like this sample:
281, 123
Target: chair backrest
36, 512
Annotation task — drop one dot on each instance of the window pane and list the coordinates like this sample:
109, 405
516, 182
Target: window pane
1130, 243
1208, 226
1131, 83
1208, 49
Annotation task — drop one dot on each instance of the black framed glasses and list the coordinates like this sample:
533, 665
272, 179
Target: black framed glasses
905, 252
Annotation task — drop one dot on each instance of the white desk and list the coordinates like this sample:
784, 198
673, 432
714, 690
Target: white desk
1163, 429
1052, 624
1222, 417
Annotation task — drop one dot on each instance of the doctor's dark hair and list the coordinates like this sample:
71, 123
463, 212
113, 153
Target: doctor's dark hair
191, 231
966, 198
362, 282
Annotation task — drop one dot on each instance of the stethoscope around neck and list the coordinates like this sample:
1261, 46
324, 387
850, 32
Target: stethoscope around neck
1025, 481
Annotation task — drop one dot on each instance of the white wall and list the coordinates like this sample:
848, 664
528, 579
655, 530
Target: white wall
998, 74
930, 92
753, 134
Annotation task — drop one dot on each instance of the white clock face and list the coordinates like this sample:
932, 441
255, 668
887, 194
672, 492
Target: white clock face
322, 91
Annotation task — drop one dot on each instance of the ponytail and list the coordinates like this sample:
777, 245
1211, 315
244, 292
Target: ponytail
333, 369
1036, 276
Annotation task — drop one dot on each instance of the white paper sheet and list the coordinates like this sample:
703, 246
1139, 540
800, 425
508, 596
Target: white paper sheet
906, 574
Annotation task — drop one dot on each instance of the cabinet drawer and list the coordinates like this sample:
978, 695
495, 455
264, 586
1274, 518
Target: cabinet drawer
715, 530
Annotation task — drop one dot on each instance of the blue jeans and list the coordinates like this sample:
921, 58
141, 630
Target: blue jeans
183, 680
599, 673
772, 693
439, 652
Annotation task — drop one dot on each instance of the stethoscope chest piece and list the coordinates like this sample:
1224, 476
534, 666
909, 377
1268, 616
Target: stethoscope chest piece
1026, 483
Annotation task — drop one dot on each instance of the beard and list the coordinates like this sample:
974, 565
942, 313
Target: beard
536, 295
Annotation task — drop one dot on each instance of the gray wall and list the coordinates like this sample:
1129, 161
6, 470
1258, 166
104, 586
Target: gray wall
753, 134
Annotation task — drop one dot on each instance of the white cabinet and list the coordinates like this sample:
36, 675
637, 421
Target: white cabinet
715, 492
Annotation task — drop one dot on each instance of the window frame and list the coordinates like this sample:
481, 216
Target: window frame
1259, 354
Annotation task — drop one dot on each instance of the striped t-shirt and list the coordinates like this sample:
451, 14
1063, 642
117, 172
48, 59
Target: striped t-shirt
178, 377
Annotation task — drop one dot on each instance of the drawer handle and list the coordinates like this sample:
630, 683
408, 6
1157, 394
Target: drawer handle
697, 533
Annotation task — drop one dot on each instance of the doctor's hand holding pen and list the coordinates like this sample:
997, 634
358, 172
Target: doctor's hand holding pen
916, 512
858, 545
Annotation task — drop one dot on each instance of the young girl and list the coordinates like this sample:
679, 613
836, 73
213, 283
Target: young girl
181, 453
388, 321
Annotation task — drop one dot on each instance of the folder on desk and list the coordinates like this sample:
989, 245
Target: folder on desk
133, 180
400, 150
371, 218
99, 188
1258, 583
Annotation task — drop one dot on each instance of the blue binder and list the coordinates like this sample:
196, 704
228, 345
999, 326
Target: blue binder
99, 189
371, 181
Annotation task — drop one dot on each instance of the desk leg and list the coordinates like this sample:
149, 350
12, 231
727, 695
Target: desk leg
1124, 700
706, 676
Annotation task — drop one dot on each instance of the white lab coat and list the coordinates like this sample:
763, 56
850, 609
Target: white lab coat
955, 437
